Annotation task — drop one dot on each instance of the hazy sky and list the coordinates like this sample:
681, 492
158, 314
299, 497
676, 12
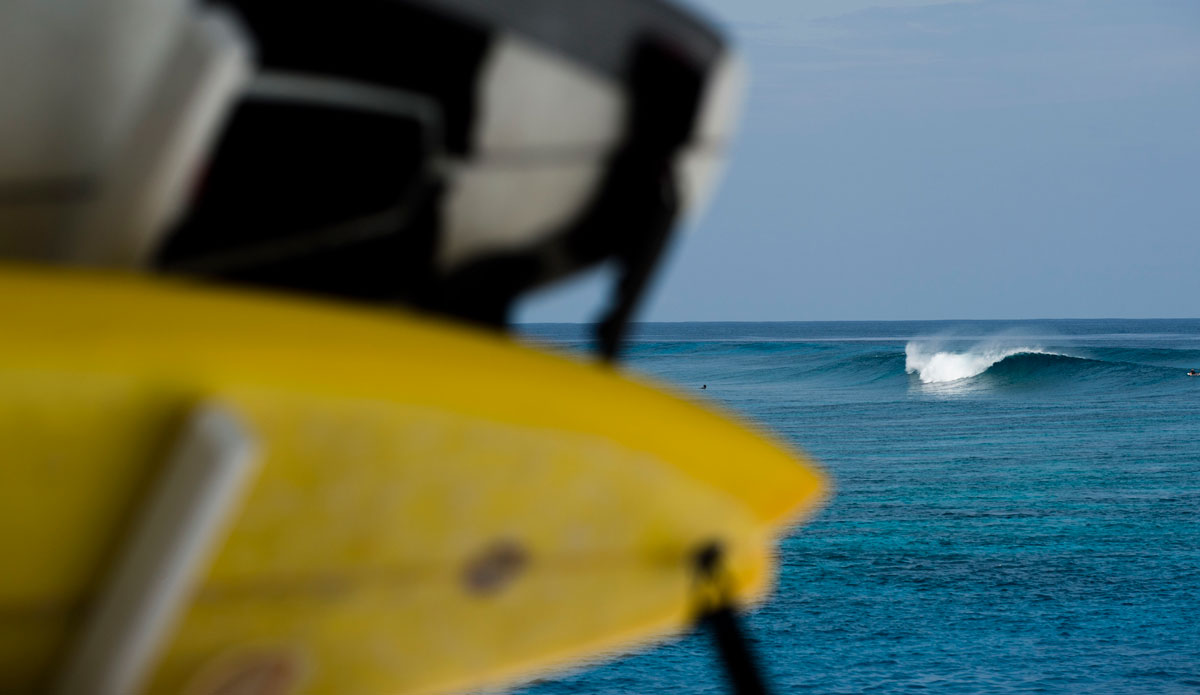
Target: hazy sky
927, 160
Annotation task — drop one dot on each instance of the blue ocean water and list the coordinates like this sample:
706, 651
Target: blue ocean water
1017, 504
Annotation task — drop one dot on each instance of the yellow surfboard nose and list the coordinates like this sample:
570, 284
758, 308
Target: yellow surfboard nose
433, 508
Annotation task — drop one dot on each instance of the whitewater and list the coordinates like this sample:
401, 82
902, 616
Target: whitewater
934, 366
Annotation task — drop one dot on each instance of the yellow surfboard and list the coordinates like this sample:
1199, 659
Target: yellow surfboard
422, 508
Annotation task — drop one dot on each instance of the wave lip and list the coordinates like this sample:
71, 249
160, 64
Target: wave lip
940, 366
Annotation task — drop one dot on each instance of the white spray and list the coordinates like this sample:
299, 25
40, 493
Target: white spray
935, 366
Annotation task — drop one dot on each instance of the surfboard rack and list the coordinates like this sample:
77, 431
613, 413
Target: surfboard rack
174, 534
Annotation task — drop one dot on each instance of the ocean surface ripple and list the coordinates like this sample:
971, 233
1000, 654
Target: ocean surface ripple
1017, 505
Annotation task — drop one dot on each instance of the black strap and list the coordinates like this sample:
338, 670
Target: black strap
637, 261
718, 616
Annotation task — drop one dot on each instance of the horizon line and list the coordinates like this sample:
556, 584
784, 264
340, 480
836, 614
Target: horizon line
635, 323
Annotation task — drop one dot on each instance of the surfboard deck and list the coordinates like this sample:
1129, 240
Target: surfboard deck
435, 508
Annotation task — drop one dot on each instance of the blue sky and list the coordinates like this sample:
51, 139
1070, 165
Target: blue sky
911, 159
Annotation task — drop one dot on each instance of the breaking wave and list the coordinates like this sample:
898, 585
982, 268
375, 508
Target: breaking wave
935, 366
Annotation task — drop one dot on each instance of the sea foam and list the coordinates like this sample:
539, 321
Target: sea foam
936, 366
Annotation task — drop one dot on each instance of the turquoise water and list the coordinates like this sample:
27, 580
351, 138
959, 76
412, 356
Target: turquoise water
1017, 505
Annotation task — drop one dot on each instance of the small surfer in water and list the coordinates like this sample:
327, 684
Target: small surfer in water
704, 387
1193, 372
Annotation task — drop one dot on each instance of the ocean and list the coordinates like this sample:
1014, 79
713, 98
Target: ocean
1016, 504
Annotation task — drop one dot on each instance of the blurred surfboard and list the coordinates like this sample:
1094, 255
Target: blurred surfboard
430, 508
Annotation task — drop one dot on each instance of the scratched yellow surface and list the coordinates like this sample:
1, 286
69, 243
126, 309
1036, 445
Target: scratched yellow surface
400, 455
